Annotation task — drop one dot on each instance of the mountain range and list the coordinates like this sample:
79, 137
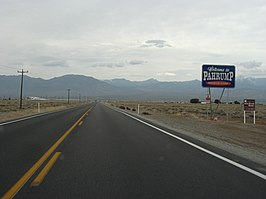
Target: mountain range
122, 89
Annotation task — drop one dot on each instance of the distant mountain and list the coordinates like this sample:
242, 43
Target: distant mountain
57, 87
123, 83
150, 89
254, 88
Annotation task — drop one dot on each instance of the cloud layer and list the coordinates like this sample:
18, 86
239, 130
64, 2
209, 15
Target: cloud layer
113, 39
251, 64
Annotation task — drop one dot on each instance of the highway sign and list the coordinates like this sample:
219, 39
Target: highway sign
219, 76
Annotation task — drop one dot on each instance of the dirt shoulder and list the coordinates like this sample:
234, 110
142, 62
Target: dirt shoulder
244, 140
9, 109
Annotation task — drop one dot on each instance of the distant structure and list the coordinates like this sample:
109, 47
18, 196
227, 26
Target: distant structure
35, 98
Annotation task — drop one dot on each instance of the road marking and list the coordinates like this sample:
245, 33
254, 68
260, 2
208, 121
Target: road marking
80, 123
13, 191
245, 168
39, 179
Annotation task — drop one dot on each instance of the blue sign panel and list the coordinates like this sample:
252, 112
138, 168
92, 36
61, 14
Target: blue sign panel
219, 76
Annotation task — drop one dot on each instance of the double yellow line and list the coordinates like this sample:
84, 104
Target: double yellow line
38, 180
13, 191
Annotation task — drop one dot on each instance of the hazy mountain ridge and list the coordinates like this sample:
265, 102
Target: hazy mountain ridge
150, 89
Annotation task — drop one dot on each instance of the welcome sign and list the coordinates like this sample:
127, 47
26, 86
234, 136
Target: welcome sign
219, 76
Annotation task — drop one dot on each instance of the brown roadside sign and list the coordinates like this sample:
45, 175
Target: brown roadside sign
249, 105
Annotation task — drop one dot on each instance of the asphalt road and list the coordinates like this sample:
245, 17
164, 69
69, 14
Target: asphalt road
106, 154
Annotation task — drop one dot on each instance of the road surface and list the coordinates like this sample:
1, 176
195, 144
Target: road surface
98, 152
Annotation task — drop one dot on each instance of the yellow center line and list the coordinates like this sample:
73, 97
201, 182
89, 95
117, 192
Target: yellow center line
38, 180
13, 190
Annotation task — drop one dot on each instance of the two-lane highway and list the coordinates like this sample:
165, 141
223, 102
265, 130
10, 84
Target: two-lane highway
110, 155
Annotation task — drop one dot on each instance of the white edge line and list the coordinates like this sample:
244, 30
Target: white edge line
33, 116
256, 173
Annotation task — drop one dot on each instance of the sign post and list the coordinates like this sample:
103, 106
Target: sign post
39, 107
227, 106
218, 76
249, 105
254, 116
208, 101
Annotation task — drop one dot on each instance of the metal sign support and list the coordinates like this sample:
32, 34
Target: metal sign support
254, 115
39, 107
210, 101
219, 102
207, 104
227, 108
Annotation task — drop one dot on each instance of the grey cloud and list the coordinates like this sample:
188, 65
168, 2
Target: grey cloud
156, 43
252, 73
137, 62
49, 61
119, 64
15, 63
109, 65
251, 69
58, 63
250, 64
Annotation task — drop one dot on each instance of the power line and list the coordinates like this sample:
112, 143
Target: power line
21, 86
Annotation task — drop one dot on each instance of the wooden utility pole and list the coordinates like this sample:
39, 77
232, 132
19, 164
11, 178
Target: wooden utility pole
68, 94
21, 87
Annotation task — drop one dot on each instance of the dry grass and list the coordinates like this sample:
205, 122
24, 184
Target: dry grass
197, 111
9, 109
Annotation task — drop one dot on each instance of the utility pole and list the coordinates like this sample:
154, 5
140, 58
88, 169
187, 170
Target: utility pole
79, 97
21, 86
68, 94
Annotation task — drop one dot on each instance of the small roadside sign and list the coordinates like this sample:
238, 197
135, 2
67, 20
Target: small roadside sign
249, 105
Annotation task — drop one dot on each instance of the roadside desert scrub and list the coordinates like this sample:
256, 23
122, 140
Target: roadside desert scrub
9, 109
196, 110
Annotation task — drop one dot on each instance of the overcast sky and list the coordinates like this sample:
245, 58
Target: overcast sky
134, 39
